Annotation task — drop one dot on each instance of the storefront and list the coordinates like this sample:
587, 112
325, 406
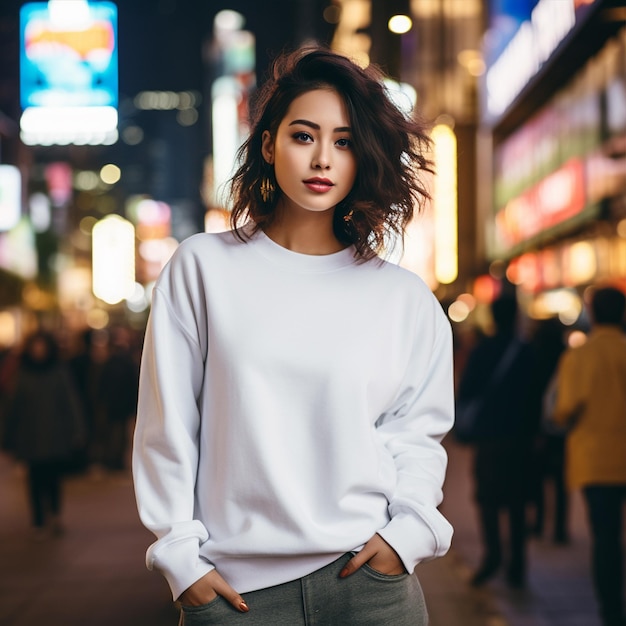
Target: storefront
554, 126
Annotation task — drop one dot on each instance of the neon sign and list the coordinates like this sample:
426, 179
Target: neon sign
529, 49
68, 72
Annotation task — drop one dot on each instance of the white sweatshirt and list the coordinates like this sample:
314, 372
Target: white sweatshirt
290, 407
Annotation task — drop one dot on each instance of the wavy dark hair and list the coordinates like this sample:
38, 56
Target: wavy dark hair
390, 150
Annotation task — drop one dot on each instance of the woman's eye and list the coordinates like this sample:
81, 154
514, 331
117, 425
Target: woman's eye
344, 143
302, 136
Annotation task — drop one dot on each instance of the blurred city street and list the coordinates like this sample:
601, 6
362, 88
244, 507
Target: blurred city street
94, 574
121, 127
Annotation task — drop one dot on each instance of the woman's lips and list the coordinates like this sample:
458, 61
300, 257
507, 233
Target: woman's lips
318, 185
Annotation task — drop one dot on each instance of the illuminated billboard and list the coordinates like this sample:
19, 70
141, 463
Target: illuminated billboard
522, 37
68, 72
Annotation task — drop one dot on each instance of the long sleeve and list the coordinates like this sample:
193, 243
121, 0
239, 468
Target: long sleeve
165, 452
412, 431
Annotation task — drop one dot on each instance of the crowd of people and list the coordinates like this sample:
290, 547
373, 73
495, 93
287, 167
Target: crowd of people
66, 409
536, 411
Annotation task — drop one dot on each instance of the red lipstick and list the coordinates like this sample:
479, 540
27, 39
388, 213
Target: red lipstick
318, 184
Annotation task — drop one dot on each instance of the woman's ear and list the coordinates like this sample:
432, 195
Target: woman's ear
267, 147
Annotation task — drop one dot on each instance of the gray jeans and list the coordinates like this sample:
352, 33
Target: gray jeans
366, 598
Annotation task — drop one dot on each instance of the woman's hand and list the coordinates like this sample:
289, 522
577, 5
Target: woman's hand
379, 555
207, 588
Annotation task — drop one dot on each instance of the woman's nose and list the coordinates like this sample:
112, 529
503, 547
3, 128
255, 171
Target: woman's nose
321, 160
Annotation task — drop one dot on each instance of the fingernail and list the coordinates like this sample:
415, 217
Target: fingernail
243, 606
344, 572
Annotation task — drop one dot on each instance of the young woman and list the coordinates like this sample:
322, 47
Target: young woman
294, 387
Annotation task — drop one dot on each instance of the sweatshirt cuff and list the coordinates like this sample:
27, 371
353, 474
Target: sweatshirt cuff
180, 564
415, 540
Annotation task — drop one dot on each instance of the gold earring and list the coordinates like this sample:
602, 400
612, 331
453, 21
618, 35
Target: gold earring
267, 189
348, 217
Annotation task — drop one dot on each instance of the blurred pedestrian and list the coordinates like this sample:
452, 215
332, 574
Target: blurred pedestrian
117, 397
295, 388
85, 370
591, 399
497, 380
44, 427
548, 462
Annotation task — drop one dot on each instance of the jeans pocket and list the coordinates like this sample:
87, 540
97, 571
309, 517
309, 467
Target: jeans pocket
374, 573
203, 613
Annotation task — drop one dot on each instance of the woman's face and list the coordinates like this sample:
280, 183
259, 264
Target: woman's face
312, 153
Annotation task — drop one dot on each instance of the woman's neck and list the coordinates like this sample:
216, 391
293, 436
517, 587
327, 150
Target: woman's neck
309, 232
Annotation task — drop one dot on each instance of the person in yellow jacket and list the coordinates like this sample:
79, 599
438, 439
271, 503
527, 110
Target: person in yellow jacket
591, 399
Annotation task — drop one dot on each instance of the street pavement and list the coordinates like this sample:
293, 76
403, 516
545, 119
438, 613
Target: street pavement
559, 590
94, 573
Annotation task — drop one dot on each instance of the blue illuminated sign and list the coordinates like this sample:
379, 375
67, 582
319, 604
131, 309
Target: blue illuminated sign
68, 54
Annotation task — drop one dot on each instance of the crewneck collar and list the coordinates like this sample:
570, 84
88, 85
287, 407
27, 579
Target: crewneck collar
299, 262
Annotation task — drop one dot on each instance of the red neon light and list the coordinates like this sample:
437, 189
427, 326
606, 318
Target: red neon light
557, 198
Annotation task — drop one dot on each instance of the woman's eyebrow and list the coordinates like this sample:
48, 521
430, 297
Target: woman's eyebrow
314, 126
